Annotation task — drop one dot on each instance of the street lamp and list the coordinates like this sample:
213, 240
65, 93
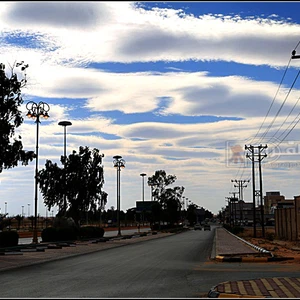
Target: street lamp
35, 111
28, 209
5, 208
65, 124
143, 193
118, 164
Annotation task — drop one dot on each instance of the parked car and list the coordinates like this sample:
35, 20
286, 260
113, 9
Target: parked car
197, 227
206, 227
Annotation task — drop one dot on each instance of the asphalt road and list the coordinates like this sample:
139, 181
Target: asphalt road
176, 266
157, 268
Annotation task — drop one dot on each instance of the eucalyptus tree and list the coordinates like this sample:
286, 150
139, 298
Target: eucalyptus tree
84, 175
11, 147
159, 181
168, 198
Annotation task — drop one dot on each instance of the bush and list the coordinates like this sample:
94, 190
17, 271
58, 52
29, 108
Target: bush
91, 232
49, 234
66, 234
270, 236
52, 234
9, 238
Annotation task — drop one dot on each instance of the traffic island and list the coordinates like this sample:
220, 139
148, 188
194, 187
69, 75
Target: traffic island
250, 259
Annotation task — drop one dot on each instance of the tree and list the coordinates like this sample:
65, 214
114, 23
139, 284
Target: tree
11, 147
191, 214
159, 181
169, 198
84, 177
19, 218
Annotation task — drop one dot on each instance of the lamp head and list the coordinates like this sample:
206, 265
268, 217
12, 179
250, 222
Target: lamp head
64, 123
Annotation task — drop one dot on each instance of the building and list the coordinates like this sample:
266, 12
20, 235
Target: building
270, 201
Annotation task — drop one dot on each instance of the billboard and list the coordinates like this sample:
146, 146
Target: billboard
144, 206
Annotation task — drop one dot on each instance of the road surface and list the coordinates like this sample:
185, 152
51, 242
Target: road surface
176, 266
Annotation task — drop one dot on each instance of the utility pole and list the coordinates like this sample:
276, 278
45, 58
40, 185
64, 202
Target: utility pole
234, 199
260, 148
241, 198
260, 158
229, 208
251, 148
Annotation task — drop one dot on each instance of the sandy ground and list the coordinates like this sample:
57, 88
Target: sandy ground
279, 248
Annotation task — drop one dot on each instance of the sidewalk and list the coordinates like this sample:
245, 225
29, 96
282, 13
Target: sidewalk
230, 248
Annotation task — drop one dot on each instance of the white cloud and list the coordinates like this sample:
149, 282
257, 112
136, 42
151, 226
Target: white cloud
63, 38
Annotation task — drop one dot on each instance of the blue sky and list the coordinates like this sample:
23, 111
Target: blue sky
167, 85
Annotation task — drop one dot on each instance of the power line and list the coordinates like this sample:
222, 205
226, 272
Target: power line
280, 107
272, 101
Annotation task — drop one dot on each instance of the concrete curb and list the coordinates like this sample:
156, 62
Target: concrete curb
214, 294
251, 259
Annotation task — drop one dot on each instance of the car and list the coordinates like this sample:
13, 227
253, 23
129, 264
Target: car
206, 227
197, 227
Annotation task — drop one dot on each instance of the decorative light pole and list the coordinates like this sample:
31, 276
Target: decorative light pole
65, 124
118, 164
35, 111
5, 208
28, 209
143, 193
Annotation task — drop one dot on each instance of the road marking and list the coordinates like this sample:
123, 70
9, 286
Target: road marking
295, 286
241, 288
283, 288
227, 287
255, 288
267, 285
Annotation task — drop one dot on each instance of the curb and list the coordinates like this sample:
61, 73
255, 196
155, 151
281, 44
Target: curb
251, 259
213, 294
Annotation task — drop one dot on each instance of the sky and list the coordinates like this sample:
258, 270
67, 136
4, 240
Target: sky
174, 86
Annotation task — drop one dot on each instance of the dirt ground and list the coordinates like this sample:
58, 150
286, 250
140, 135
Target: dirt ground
279, 248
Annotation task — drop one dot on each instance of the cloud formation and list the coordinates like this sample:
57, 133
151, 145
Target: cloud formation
94, 61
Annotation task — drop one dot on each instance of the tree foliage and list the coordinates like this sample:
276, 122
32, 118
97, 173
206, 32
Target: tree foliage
81, 179
169, 198
11, 147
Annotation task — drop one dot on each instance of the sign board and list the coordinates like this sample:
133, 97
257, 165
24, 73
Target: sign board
144, 206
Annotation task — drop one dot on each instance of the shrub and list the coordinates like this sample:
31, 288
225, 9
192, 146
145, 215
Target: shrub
66, 234
91, 232
49, 234
9, 238
52, 234
270, 236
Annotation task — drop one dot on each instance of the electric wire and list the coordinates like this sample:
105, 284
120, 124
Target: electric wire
286, 69
275, 96
272, 100
269, 127
284, 122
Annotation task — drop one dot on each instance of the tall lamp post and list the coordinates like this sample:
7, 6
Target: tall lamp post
143, 193
65, 124
35, 111
118, 164
5, 208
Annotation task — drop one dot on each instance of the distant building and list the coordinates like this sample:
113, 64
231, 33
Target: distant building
270, 201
